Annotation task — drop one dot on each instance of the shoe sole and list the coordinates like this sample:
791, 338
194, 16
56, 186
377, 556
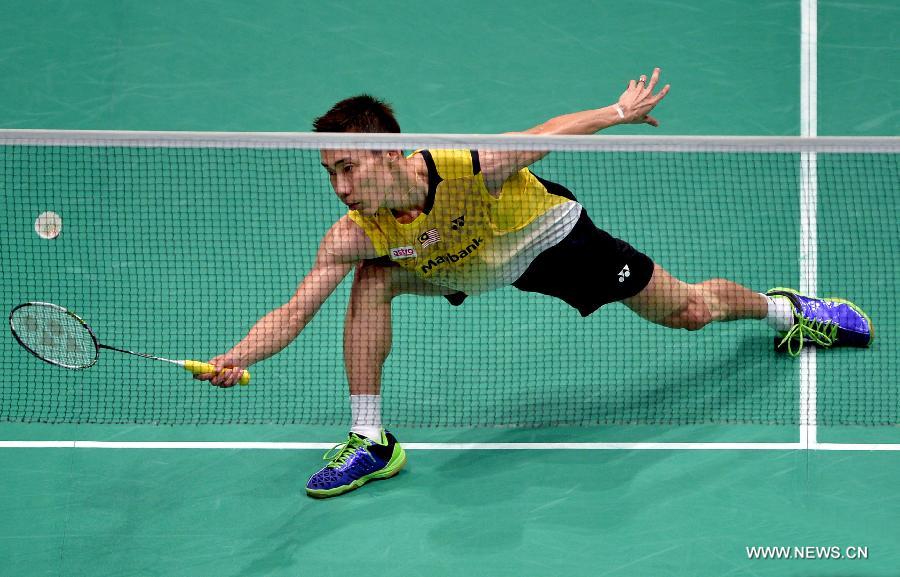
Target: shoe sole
853, 306
394, 466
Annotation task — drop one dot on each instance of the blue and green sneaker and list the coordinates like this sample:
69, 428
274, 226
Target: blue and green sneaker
354, 463
826, 322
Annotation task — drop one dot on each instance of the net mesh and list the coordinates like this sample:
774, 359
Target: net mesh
176, 246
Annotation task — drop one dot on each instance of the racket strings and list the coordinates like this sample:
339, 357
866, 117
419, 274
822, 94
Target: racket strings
54, 336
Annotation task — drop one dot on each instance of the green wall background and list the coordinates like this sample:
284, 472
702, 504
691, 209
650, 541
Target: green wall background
462, 66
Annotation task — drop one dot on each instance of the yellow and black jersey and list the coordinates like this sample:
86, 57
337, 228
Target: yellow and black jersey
466, 239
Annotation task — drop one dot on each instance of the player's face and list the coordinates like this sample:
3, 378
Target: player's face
360, 178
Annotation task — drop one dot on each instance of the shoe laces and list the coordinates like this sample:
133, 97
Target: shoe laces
822, 333
339, 454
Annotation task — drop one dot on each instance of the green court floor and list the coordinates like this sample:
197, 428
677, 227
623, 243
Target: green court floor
451, 512
480, 67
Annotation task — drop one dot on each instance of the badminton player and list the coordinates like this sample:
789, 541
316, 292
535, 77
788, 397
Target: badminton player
455, 223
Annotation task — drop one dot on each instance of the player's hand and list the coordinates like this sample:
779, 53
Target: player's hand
638, 100
228, 371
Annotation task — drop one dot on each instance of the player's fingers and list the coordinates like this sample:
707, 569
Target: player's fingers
662, 94
221, 378
642, 85
222, 382
233, 376
631, 84
653, 79
651, 121
216, 378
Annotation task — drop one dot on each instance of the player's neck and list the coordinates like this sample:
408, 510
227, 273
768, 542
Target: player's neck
406, 198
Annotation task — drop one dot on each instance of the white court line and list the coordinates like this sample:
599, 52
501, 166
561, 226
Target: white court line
809, 68
216, 445
856, 447
809, 256
808, 286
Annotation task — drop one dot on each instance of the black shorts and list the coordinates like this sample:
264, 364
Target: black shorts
587, 269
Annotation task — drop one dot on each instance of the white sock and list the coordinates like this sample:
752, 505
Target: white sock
366, 413
781, 313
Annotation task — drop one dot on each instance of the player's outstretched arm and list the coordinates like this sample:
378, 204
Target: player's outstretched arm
633, 107
343, 245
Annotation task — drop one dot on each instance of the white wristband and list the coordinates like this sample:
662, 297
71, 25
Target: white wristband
619, 111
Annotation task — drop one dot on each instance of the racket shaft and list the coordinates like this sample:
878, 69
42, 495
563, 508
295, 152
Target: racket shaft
199, 368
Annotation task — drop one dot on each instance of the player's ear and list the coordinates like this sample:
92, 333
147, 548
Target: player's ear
393, 155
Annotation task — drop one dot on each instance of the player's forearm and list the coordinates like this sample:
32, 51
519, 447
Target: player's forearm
584, 122
271, 334
279, 328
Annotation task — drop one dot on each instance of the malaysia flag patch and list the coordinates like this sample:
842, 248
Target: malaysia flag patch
429, 237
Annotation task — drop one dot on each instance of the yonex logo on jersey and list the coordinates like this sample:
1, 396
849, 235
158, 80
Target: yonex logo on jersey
476, 242
624, 273
429, 237
458, 222
402, 252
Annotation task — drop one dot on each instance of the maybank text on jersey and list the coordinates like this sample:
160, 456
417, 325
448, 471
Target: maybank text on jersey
434, 262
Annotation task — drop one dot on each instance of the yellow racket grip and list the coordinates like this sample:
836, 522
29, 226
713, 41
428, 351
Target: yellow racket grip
198, 368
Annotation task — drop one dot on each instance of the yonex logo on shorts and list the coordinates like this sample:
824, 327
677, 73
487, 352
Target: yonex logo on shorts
402, 252
624, 273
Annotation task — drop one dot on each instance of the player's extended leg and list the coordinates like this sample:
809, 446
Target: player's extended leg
673, 303
370, 452
826, 322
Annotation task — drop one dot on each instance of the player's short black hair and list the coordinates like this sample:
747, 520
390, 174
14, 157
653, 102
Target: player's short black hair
361, 113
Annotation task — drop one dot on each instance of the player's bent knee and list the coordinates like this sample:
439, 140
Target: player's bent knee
711, 288
693, 315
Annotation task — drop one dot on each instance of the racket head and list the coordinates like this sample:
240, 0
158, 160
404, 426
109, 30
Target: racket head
55, 335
